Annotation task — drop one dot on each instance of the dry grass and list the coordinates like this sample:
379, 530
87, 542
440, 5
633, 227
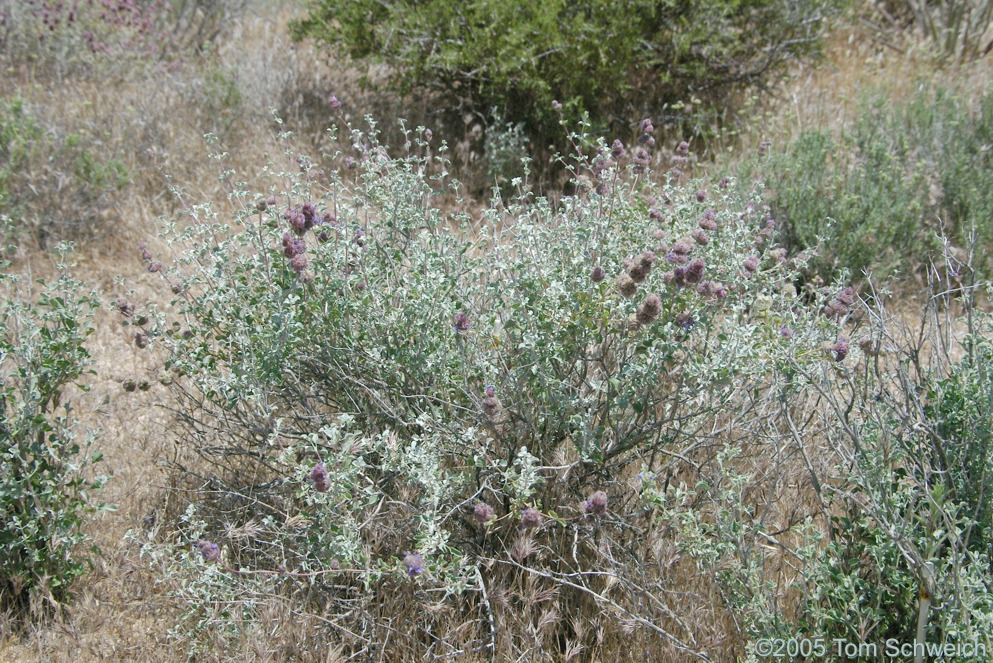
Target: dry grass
154, 121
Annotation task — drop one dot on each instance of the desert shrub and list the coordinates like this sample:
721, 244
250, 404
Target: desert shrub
611, 409
380, 403
878, 196
44, 494
615, 61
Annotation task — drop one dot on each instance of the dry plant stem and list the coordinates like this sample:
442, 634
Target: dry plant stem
491, 645
559, 578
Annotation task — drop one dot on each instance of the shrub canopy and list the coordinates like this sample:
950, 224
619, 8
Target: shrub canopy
614, 60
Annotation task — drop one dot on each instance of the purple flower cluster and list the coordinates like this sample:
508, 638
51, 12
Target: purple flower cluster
210, 551
602, 163
840, 349
462, 323
680, 159
642, 156
147, 258
597, 503
483, 513
685, 320
617, 150
688, 275
319, 476
626, 285
841, 304
765, 234
296, 251
530, 518
414, 564
125, 307
491, 404
641, 266
649, 310
709, 221
711, 289
301, 220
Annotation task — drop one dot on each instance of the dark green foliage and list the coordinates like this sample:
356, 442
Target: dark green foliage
615, 60
43, 494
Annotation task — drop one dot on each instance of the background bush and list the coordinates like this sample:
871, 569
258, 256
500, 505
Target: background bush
615, 61
880, 196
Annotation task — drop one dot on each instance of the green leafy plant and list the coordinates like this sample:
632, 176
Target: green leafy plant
44, 494
54, 185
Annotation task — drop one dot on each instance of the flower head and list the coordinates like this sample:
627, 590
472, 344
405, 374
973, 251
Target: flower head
414, 563
597, 503
840, 349
649, 310
124, 306
319, 475
210, 551
530, 518
641, 266
598, 274
334, 102
491, 405
483, 512
685, 320
626, 285
617, 149
462, 322
299, 262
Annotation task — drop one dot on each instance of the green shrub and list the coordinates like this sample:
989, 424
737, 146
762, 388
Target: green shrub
614, 60
43, 492
879, 196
